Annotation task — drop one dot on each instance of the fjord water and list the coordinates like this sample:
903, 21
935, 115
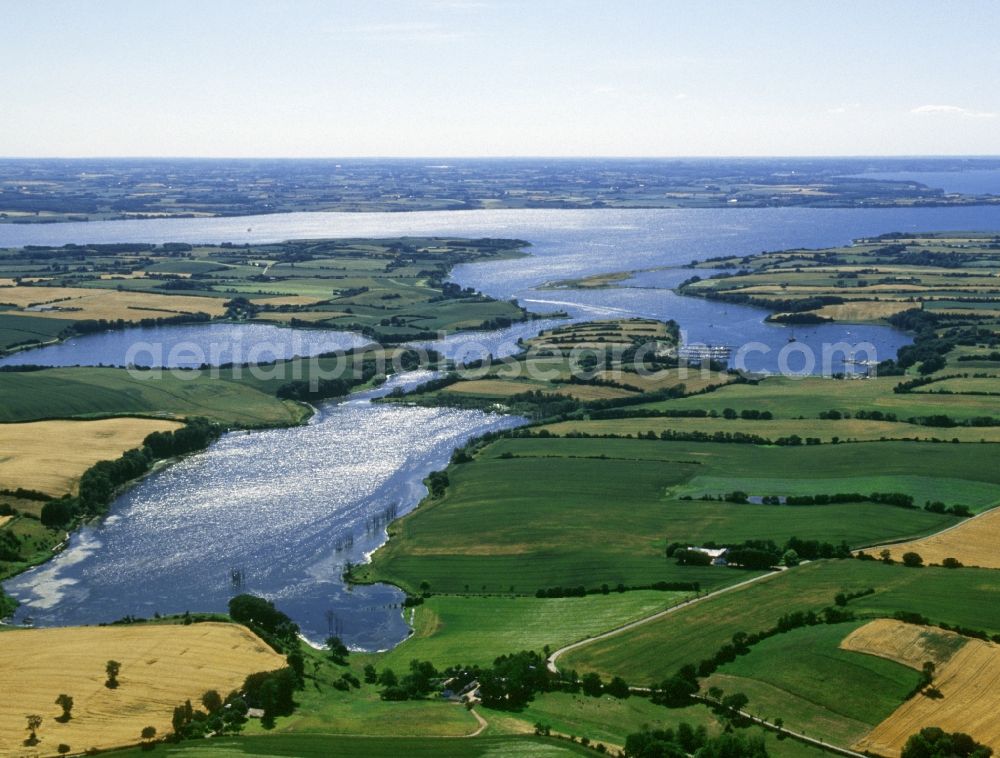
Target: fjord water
565, 244
276, 505
282, 509
189, 346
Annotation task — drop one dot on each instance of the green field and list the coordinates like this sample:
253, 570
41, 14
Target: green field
788, 398
20, 330
535, 513
602, 719
326, 746
841, 431
804, 678
517, 525
87, 392
451, 630
392, 289
36, 540
869, 280
968, 597
947, 472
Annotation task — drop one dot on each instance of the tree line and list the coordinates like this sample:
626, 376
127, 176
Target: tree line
101, 481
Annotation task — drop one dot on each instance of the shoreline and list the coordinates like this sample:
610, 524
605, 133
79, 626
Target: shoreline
953, 200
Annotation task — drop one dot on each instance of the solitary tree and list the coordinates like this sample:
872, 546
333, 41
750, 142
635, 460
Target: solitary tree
148, 733
66, 703
212, 701
34, 721
735, 703
927, 674
912, 560
112, 669
338, 650
591, 684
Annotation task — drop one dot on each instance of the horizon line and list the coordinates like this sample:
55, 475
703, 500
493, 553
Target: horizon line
776, 156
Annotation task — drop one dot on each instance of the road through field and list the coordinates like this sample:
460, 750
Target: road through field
550, 662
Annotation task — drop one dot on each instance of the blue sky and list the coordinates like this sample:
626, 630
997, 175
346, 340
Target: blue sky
498, 77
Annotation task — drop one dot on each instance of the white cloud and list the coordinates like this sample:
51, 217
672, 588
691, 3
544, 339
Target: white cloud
460, 5
416, 31
843, 108
950, 110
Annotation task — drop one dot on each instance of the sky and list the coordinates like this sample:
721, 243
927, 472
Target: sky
298, 78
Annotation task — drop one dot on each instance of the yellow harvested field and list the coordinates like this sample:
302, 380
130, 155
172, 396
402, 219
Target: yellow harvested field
908, 644
284, 317
968, 681
4, 520
87, 303
50, 456
292, 300
846, 430
501, 388
973, 542
693, 379
492, 387
864, 310
161, 667
131, 275
590, 392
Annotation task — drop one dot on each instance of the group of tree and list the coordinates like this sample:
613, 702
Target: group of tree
313, 390
270, 624
687, 741
437, 483
606, 589
220, 716
512, 681
271, 691
420, 681
759, 555
934, 742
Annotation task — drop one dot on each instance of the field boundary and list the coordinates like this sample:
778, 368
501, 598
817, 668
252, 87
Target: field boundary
550, 662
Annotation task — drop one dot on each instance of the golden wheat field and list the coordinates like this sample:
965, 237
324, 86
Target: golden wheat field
973, 542
293, 300
863, 310
909, 644
161, 667
86, 303
50, 456
968, 679
694, 380
286, 316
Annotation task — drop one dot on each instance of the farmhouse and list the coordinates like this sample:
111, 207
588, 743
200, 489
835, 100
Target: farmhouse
718, 555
